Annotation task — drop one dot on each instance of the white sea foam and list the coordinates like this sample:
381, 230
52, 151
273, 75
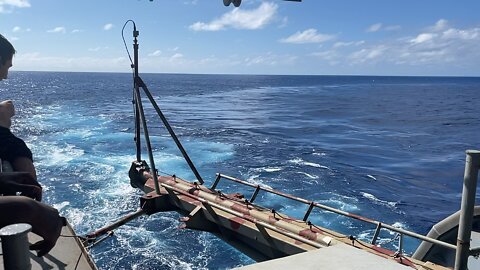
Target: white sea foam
300, 161
254, 179
267, 169
57, 155
309, 175
341, 202
375, 200
76, 216
61, 206
400, 225
273, 169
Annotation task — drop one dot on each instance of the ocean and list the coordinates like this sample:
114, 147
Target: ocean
388, 148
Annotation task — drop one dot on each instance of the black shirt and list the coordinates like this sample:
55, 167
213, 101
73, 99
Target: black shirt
12, 147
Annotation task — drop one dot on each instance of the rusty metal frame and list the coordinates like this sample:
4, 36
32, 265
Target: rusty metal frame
207, 204
313, 204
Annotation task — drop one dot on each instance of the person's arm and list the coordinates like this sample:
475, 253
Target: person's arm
45, 220
12, 183
7, 111
25, 164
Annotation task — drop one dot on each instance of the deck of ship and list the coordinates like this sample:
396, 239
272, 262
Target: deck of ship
68, 253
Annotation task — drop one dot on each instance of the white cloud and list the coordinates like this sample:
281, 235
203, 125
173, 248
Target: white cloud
469, 34
191, 2
307, 36
374, 27
40, 62
284, 22
96, 49
59, 29
379, 27
392, 28
424, 37
76, 31
268, 59
107, 26
348, 44
331, 56
240, 19
176, 56
7, 6
440, 46
155, 53
18, 29
369, 54
440, 25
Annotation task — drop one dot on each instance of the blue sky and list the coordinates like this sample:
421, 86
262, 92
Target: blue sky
342, 37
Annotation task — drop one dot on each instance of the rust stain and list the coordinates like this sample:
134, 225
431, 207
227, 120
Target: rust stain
236, 222
240, 208
307, 233
405, 261
382, 250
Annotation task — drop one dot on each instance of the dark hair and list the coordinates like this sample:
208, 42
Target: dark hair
6, 50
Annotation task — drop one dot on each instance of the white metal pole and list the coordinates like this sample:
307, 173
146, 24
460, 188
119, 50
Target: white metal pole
472, 165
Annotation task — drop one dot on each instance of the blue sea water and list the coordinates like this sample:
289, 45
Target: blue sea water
388, 148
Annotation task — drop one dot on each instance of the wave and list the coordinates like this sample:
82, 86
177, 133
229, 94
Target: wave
309, 175
375, 200
267, 169
299, 161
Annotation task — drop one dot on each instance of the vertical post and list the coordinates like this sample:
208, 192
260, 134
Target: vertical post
15, 250
472, 165
255, 193
377, 232
136, 86
147, 142
310, 208
214, 186
400, 244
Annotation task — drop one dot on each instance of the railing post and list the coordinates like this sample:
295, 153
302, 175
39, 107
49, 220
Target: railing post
309, 210
214, 186
400, 244
255, 193
377, 232
472, 165
15, 250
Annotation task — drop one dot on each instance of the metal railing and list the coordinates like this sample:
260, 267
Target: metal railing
471, 172
313, 204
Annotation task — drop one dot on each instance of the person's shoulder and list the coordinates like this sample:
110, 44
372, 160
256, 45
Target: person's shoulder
4, 130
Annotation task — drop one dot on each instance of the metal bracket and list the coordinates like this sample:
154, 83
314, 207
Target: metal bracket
196, 220
152, 203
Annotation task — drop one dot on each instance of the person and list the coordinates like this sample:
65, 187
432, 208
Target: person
44, 219
12, 148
